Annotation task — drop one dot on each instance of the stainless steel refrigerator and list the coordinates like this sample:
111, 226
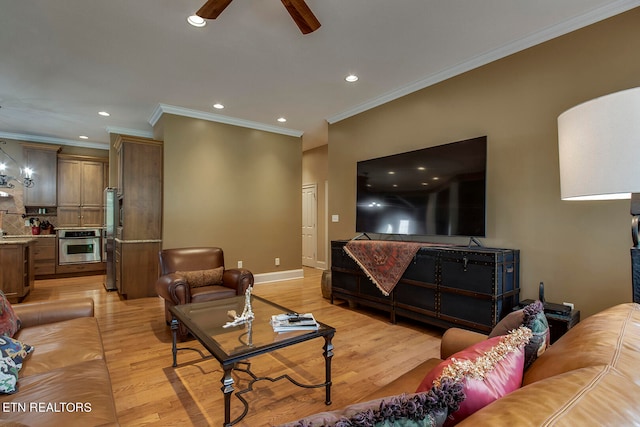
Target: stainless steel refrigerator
109, 235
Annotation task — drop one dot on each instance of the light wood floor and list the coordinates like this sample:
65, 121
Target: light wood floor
369, 352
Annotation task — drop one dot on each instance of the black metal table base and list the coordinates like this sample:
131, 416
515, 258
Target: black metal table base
227, 380
174, 345
254, 379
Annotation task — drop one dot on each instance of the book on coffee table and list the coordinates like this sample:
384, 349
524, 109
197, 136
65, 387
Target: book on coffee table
294, 322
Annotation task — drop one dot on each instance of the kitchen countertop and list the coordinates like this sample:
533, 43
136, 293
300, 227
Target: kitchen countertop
79, 228
28, 236
16, 240
13, 238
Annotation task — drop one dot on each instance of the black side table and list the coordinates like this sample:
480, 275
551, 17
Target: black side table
559, 324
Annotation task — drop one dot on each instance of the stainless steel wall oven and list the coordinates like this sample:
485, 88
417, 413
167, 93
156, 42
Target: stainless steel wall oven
79, 246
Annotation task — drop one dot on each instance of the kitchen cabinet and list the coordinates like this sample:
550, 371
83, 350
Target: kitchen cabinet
88, 268
139, 234
69, 216
81, 182
44, 256
42, 159
137, 268
16, 268
140, 187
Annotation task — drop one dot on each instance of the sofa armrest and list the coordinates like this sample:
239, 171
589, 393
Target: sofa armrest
406, 383
40, 313
456, 339
237, 278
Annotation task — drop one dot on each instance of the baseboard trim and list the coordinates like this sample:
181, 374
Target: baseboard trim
278, 276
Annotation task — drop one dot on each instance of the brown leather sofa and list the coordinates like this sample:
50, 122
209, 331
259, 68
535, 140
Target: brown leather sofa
589, 377
65, 380
175, 289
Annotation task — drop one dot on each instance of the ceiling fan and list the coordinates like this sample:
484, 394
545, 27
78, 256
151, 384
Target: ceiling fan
298, 9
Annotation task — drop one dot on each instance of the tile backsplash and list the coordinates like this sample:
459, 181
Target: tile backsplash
11, 211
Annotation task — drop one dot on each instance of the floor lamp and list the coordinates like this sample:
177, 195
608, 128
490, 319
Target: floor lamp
599, 148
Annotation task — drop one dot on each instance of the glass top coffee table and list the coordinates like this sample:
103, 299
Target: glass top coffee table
232, 346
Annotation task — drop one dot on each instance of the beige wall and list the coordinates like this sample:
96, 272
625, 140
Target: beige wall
314, 171
579, 249
233, 187
316, 136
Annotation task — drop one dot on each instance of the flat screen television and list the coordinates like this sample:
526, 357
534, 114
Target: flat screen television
438, 190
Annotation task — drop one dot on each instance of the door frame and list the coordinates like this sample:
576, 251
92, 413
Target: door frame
314, 188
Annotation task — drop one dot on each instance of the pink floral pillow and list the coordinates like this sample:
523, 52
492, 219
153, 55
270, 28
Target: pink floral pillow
9, 321
488, 370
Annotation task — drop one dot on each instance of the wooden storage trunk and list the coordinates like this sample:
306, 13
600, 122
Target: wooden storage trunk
444, 286
478, 286
416, 295
348, 282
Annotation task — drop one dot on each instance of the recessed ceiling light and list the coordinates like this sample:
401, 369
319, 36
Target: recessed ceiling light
218, 106
83, 137
196, 21
104, 113
351, 78
282, 119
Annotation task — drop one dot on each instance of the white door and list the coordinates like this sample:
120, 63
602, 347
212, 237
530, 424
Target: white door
309, 224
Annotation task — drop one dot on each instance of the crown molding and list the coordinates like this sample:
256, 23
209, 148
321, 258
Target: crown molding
197, 114
56, 141
539, 37
130, 132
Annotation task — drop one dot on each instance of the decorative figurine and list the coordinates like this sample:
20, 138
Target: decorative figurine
247, 313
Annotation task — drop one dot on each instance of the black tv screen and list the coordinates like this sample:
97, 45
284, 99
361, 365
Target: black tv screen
438, 190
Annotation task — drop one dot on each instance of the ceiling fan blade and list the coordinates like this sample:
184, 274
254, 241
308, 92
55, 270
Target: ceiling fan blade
302, 15
212, 8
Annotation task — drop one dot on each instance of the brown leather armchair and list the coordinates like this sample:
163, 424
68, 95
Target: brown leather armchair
175, 290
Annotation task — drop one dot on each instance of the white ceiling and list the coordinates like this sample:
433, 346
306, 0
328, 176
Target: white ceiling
63, 61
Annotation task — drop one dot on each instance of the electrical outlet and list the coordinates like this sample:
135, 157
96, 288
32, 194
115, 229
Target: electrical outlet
277, 261
568, 304
239, 264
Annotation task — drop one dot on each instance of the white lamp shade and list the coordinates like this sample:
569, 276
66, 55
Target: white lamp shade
599, 148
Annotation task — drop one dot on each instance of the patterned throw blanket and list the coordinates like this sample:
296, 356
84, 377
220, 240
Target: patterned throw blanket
384, 262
